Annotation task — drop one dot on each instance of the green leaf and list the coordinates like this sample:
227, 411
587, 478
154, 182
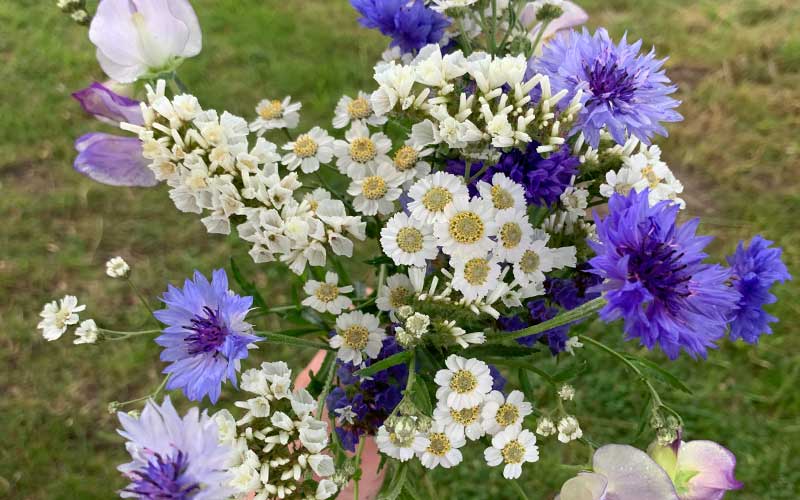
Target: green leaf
411, 492
501, 351
394, 359
377, 261
421, 396
571, 372
395, 487
658, 373
317, 383
247, 287
523, 364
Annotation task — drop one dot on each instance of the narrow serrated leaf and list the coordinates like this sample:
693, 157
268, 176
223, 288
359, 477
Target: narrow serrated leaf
394, 359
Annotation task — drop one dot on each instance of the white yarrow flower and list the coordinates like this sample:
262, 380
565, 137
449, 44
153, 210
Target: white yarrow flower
375, 189
569, 429
475, 277
357, 334
309, 150
566, 392
87, 332
433, 194
466, 421
327, 296
545, 427
464, 383
275, 114
467, 228
441, 447
514, 447
401, 448
349, 110
500, 412
116, 267
394, 294
514, 231
58, 316
407, 242
360, 150
503, 193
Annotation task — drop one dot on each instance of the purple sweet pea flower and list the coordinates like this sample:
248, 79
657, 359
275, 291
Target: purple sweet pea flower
108, 106
113, 160
573, 16
700, 470
136, 37
620, 472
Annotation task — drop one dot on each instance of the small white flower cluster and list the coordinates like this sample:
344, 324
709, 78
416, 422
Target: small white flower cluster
207, 161
644, 170
116, 267
566, 426
278, 441
58, 316
467, 409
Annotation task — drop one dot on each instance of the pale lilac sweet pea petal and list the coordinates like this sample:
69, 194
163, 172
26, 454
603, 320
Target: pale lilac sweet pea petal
632, 474
585, 486
105, 105
113, 160
714, 465
573, 16
136, 36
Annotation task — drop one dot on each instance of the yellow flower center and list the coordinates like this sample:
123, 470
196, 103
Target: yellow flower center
476, 271
510, 234
507, 414
398, 296
327, 292
501, 198
362, 149
355, 337
466, 416
466, 228
529, 262
405, 158
436, 199
409, 239
305, 146
513, 452
439, 444
359, 109
374, 187
463, 381
270, 110
650, 174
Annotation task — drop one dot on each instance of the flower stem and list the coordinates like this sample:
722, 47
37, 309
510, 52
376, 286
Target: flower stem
117, 335
360, 450
326, 388
152, 395
140, 297
539, 36
278, 338
580, 312
519, 489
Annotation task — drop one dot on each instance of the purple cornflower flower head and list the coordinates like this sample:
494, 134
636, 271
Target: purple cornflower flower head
700, 470
206, 335
755, 269
113, 160
655, 278
174, 457
624, 91
620, 472
137, 37
108, 106
412, 26
573, 292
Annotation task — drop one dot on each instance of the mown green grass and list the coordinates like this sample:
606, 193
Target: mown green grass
738, 64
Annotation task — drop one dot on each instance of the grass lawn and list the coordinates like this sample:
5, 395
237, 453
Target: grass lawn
738, 153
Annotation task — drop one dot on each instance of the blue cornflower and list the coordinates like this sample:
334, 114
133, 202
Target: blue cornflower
412, 26
656, 279
206, 335
623, 90
755, 270
174, 457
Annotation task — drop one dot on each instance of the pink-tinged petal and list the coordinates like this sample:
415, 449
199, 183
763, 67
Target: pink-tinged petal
182, 10
105, 105
113, 160
632, 474
714, 467
573, 16
584, 486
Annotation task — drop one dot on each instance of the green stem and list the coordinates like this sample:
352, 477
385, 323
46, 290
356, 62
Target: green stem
539, 36
326, 388
519, 489
360, 450
182, 88
140, 297
580, 312
467, 45
152, 395
278, 338
493, 33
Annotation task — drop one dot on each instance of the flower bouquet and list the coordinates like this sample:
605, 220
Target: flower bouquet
500, 188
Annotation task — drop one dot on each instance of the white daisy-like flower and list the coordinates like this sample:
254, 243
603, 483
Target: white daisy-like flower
309, 150
443, 5
467, 228
356, 110
461, 337
545, 427
503, 193
621, 181
360, 149
432, 194
475, 277
357, 334
327, 296
375, 188
409, 161
514, 231
87, 332
275, 114
400, 447
407, 242
466, 422
58, 316
500, 412
566, 392
533, 263
116, 267
575, 200
569, 429
441, 447
464, 383
394, 294
514, 447
315, 197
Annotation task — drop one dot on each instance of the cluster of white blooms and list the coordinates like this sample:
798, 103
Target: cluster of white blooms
467, 409
566, 426
208, 162
644, 170
278, 441
58, 316
116, 267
